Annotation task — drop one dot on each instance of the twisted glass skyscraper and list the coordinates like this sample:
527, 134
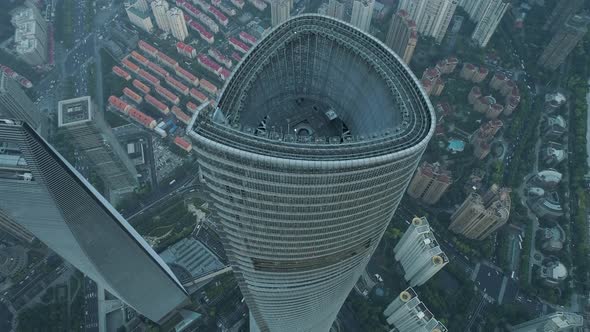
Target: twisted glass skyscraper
307, 155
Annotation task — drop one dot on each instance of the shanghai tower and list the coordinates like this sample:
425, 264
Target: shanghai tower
306, 156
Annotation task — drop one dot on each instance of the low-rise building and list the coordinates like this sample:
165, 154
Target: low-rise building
553, 153
553, 273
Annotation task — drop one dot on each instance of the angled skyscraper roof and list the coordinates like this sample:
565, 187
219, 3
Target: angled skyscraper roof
48, 197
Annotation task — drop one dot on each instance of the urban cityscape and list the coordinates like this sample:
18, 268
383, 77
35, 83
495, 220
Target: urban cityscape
295, 165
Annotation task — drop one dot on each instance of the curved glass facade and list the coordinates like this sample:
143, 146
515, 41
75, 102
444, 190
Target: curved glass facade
307, 155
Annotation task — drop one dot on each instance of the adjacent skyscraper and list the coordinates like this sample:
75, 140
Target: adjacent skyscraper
142, 5
408, 313
280, 10
564, 41
160, 10
414, 8
489, 16
362, 12
44, 194
402, 36
177, 23
479, 216
555, 322
138, 17
429, 183
336, 9
419, 253
15, 104
30, 34
303, 182
562, 12
93, 137
434, 18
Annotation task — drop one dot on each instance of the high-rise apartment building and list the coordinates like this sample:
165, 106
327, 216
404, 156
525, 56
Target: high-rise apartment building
142, 5
6, 223
30, 34
414, 8
93, 137
555, 322
15, 104
48, 197
280, 10
564, 41
479, 215
433, 17
336, 9
419, 253
177, 23
362, 12
430, 182
491, 12
138, 17
408, 313
303, 183
562, 12
160, 10
402, 36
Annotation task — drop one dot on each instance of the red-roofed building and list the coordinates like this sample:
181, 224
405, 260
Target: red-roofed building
220, 57
160, 106
132, 95
130, 65
238, 45
224, 74
118, 104
208, 64
121, 73
142, 118
203, 33
236, 56
198, 95
191, 107
183, 144
139, 58
248, 38
162, 91
209, 87
166, 60
180, 115
197, 14
176, 85
149, 78
142, 87
149, 49
219, 16
186, 50
156, 69
187, 76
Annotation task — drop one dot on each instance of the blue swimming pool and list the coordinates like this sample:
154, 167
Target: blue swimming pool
456, 145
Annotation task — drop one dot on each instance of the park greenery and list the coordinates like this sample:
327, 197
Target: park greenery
170, 224
578, 87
